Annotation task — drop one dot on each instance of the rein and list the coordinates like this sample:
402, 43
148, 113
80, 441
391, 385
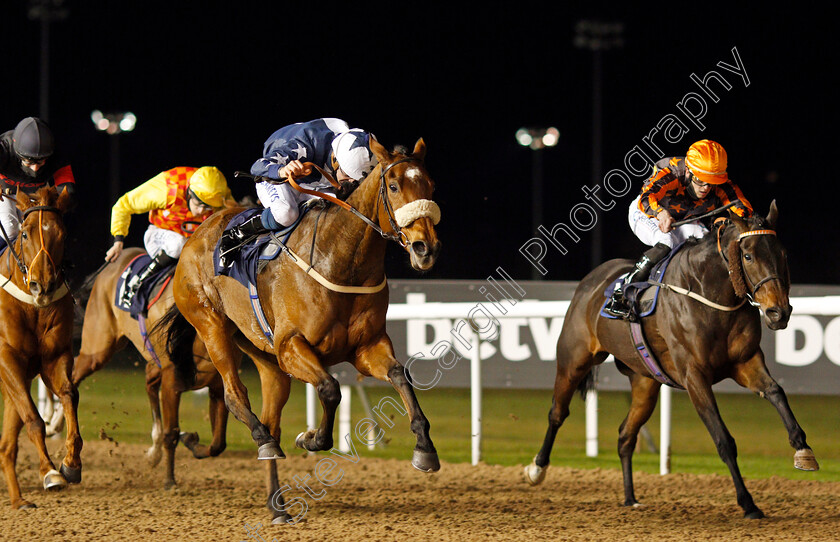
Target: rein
750, 283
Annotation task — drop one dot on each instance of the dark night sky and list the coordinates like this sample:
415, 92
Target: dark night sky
209, 84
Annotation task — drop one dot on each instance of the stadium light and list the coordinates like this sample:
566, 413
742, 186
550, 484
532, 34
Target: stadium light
537, 139
113, 123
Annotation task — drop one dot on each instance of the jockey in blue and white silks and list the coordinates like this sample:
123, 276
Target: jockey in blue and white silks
329, 143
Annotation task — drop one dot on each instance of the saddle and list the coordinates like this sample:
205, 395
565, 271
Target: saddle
642, 295
149, 290
255, 254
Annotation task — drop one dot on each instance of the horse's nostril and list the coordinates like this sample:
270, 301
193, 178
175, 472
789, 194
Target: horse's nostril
774, 314
34, 287
420, 248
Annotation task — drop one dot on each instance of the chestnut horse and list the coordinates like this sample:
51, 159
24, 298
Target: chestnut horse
314, 326
107, 329
696, 344
36, 330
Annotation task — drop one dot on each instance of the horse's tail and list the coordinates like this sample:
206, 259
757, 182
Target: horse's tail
82, 293
180, 336
588, 383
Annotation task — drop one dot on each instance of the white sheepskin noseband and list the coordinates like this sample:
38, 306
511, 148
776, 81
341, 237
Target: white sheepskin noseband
420, 208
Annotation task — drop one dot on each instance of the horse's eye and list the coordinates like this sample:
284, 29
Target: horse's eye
393, 187
748, 257
23, 234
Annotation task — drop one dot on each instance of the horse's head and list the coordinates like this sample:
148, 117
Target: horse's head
758, 267
40, 245
407, 208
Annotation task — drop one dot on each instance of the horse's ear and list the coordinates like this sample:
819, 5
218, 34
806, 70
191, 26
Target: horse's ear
380, 152
64, 201
24, 202
773, 215
419, 149
738, 221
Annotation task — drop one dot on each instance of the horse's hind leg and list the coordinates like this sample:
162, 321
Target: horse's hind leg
9, 449
700, 393
644, 394
218, 422
574, 366
226, 358
275, 385
155, 452
753, 375
379, 361
170, 399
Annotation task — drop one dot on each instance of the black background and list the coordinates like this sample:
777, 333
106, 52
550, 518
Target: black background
210, 81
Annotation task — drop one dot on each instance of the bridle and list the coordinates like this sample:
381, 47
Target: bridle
751, 284
24, 269
398, 235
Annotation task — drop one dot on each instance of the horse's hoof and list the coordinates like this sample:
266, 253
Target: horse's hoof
282, 519
755, 514
804, 459
25, 505
535, 474
73, 476
189, 439
169, 485
154, 455
425, 461
54, 481
270, 450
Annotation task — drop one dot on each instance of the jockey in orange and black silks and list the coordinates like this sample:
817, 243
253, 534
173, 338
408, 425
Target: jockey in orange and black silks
680, 188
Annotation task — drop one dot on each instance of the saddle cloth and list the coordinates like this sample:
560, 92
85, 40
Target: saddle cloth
149, 290
256, 253
641, 295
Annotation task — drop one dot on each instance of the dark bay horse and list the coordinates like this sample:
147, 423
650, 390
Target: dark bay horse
314, 326
36, 329
696, 345
108, 329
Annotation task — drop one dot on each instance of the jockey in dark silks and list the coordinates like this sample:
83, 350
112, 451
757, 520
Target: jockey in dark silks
680, 188
329, 143
28, 161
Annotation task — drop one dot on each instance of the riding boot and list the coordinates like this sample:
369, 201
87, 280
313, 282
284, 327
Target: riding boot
132, 286
618, 305
233, 239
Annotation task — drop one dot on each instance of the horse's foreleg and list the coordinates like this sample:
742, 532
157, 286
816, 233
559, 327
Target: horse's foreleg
643, 401
300, 360
379, 361
155, 452
700, 393
56, 376
9, 449
753, 375
17, 388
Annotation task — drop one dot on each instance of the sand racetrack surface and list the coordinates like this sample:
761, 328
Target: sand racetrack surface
120, 498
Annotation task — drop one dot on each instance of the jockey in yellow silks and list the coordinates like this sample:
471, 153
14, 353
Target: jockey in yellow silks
177, 200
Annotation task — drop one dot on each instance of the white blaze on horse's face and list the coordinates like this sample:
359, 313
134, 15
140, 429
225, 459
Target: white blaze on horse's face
418, 217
